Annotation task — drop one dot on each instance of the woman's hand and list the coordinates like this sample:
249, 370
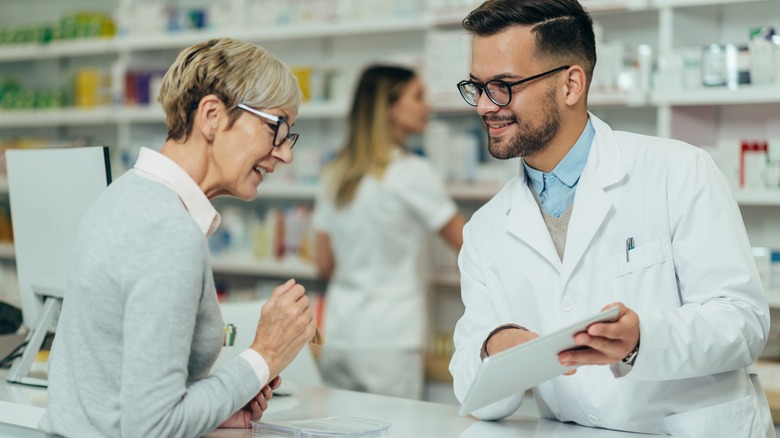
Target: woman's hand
286, 325
253, 410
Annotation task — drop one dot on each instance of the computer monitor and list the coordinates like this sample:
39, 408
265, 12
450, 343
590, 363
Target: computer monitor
49, 190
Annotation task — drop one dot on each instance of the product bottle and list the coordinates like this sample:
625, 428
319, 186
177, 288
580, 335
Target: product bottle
774, 271
762, 54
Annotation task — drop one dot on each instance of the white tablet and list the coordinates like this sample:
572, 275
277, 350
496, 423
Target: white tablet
515, 370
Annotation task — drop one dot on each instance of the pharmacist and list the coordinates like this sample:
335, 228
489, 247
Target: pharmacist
599, 218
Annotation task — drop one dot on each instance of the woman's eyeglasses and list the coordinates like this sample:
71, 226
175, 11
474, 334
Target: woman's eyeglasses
281, 127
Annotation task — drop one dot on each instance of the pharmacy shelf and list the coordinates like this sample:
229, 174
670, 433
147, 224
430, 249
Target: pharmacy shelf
278, 33
7, 250
600, 6
773, 297
58, 49
472, 191
287, 191
448, 277
57, 117
155, 114
617, 98
758, 198
179, 40
743, 95
690, 3
136, 114
263, 268
451, 17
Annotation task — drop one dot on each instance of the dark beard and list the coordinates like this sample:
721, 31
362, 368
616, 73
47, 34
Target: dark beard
528, 140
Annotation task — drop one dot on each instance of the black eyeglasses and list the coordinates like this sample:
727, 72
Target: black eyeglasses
281, 127
498, 91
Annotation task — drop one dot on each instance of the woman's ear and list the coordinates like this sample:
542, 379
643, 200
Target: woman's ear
207, 117
575, 85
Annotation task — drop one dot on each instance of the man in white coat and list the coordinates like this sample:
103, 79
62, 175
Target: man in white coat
599, 218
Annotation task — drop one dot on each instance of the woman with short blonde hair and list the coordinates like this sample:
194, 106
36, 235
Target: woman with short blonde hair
141, 327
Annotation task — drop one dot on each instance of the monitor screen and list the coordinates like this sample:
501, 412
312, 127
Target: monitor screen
50, 190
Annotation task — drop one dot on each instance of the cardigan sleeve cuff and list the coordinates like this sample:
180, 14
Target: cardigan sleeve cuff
258, 364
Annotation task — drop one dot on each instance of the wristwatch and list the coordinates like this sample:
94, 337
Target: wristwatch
631, 357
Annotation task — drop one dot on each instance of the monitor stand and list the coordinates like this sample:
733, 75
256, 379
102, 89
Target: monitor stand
21, 367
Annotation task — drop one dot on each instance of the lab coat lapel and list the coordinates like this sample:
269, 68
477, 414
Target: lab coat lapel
592, 204
524, 221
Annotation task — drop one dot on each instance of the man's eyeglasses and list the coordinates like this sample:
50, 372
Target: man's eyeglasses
498, 91
281, 127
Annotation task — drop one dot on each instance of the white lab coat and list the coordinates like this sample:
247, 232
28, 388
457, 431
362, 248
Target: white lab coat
691, 279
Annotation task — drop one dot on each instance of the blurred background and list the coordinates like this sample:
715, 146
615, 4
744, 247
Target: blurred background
87, 73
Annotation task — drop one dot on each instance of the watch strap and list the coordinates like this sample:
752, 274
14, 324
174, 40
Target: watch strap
483, 352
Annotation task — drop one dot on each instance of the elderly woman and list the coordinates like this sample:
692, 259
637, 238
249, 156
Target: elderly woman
141, 327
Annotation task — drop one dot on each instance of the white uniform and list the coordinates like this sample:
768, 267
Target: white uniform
691, 279
375, 300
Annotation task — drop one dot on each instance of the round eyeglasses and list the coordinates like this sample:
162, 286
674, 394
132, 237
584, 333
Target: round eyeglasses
498, 91
281, 127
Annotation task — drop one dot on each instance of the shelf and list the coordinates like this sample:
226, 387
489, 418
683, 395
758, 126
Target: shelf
232, 265
7, 250
155, 114
283, 190
56, 117
691, 3
718, 96
617, 98
323, 110
165, 41
437, 368
140, 114
447, 277
476, 191
757, 198
168, 41
58, 49
263, 268
454, 17
132, 114
773, 297
600, 6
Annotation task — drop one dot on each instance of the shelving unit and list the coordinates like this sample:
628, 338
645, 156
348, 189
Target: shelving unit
700, 116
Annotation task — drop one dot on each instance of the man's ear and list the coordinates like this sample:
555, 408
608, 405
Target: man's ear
575, 85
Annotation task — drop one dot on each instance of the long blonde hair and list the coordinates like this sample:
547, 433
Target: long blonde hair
369, 143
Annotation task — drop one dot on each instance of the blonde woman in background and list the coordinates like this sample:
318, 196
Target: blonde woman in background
141, 327
377, 205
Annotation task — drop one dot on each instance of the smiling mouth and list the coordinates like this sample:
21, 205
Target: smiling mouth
259, 170
497, 124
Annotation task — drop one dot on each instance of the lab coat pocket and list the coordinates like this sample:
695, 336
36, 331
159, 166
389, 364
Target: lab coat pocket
647, 277
732, 419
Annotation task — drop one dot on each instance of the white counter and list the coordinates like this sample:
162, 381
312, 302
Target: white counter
21, 407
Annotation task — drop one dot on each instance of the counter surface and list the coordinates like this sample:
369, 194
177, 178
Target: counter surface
21, 407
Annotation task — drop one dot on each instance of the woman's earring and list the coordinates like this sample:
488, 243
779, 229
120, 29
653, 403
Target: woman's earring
211, 136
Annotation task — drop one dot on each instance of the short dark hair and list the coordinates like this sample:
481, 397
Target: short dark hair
563, 28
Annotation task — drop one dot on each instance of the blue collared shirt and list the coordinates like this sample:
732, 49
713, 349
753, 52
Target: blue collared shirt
556, 189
